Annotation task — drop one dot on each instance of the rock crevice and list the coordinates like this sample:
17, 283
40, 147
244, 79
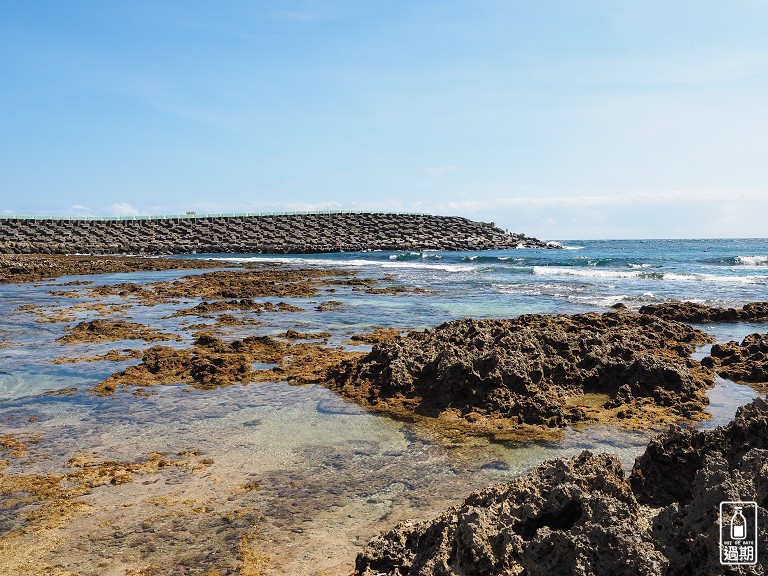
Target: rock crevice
580, 516
535, 370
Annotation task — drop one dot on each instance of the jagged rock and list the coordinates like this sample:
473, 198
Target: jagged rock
665, 472
579, 516
211, 363
26, 268
112, 331
689, 473
573, 516
535, 370
699, 313
745, 362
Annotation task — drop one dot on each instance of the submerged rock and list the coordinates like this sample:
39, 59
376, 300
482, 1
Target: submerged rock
113, 331
699, 313
745, 362
579, 516
535, 370
211, 363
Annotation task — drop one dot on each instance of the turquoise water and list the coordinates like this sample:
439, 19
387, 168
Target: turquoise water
331, 474
586, 275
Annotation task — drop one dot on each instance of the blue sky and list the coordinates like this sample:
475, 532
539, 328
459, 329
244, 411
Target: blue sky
560, 119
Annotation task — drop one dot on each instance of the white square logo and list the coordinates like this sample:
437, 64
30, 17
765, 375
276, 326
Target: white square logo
738, 533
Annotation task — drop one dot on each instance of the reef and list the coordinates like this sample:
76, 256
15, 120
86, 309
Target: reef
48, 499
581, 516
113, 330
232, 289
16, 268
111, 356
70, 313
535, 373
375, 336
700, 313
746, 362
211, 363
330, 305
39, 504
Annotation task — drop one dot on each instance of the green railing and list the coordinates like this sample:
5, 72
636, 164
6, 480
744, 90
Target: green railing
195, 215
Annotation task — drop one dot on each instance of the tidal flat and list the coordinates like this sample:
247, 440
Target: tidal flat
260, 471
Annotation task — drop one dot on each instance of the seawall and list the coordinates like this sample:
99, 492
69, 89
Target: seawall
275, 233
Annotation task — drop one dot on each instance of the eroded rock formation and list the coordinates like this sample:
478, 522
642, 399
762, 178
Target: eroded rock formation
535, 370
745, 362
212, 362
700, 313
579, 516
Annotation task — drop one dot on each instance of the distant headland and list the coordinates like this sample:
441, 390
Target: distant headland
280, 233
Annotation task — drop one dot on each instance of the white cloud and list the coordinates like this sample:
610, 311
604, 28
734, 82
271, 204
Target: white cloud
666, 214
254, 207
440, 170
123, 209
601, 201
79, 208
705, 67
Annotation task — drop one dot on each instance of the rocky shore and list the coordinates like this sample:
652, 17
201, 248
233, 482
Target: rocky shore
511, 379
16, 268
581, 516
535, 373
285, 233
745, 362
211, 362
700, 313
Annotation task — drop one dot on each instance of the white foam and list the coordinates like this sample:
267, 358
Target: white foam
391, 263
538, 289
426, 266
302, 261
670, 276
715, 279
602, 301
752, 260
558, 245
586, 272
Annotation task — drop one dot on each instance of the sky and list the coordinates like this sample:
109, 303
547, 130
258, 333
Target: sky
569, 119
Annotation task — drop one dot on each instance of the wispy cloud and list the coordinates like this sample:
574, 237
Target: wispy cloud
123, 209
82, 210
265, 206
605, 200
698, 68
440, 170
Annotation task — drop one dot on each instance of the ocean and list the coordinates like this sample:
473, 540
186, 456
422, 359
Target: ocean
585, 275
330, 474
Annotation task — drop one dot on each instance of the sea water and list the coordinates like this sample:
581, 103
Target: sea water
331, 475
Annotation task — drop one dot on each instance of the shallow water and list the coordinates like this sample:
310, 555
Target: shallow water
594, 273
330, 475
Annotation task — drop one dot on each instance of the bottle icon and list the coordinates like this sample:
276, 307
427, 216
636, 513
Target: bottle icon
738, 525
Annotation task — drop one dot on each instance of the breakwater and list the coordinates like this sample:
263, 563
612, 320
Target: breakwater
274, 233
